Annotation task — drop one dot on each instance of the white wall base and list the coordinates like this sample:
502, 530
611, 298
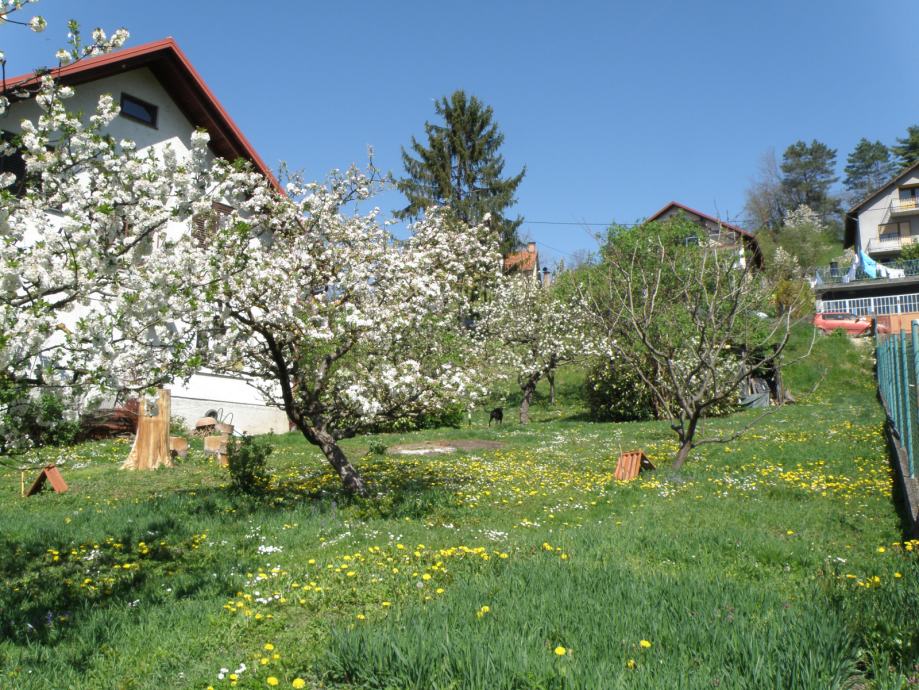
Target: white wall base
246, 418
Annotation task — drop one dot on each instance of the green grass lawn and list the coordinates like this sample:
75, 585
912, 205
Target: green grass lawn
776, 561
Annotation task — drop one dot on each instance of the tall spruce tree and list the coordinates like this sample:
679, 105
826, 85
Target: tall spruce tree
867, 168
459, 166
808, 172
907, 149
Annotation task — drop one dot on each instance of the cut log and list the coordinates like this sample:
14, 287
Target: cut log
178, 446
151, 447
217, 446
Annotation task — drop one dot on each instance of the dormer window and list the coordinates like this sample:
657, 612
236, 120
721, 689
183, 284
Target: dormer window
136, 109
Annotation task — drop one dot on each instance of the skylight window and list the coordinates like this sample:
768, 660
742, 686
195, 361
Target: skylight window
136, 109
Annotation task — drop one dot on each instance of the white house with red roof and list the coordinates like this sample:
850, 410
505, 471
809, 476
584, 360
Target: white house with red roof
163, 102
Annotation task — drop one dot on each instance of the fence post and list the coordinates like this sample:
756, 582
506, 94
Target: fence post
907, 409
894, 402
888, 370
882, 366
915, 402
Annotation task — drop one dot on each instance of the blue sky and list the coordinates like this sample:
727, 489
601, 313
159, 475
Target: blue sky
615, 108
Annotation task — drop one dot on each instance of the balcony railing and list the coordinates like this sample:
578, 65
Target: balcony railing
834, 275
887, 243
900, 207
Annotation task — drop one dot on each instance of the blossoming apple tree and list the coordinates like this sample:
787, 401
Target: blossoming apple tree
338, 322
531, 330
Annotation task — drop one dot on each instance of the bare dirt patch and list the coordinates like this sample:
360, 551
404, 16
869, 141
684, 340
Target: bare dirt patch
441, 447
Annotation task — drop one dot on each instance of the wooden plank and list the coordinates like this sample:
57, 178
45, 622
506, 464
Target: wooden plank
52, 474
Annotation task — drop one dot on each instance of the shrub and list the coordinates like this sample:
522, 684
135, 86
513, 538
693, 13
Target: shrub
616, 393
910, 252
247, 461
794, 295
36, 420
177, 425
376, 447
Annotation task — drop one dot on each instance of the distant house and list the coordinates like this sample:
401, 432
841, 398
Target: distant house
526, 263
718, 231
878, 228
163, 101
887, 220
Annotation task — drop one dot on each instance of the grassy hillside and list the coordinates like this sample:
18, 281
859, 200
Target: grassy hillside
774, 561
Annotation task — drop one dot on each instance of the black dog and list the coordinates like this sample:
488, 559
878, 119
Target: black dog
497, 416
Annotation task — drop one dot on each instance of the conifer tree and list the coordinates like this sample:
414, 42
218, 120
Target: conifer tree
460, 166
907, 149
867, 168
808, 172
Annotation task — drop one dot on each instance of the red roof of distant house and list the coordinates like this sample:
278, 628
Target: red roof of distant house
683, 207
523, 261
175, 72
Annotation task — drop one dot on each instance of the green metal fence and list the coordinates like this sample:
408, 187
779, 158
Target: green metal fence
897, 372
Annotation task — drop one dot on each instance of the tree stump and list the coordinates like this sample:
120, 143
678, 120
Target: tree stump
151, 445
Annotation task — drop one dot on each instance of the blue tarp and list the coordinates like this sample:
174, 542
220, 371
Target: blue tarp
868, 265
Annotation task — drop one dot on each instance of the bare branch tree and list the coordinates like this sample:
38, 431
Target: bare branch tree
689, 318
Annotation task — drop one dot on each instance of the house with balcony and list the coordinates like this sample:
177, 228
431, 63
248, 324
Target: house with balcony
163, 100
887, 220
878, 228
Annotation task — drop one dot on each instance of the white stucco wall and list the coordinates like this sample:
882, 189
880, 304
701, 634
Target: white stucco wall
172, 126
877, 212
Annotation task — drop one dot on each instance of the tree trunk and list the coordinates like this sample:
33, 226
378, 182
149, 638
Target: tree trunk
682, 454
350, 477
528, 389
551, 377
686, 442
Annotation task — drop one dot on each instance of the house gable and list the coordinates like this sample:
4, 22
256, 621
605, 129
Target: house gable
186, 90
713, 226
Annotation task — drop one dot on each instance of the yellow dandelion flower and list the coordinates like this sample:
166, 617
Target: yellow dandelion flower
268, 647
630, 664
298, 683
644, 644
560, 651
271, 680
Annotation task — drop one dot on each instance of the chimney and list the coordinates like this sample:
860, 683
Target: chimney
546, 277
531, 247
